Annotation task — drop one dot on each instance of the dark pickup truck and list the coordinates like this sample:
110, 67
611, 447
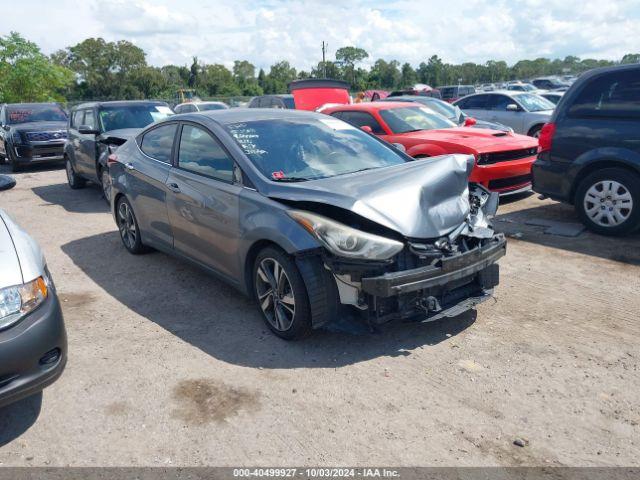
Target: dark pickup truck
97, 129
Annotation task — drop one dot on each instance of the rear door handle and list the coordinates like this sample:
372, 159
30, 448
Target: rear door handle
173, 187
129, 166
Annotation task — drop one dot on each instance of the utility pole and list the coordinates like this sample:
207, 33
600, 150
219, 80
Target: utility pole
324, 64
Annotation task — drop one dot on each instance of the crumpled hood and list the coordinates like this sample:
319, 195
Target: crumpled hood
422, 199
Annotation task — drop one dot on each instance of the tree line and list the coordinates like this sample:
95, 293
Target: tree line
96, 69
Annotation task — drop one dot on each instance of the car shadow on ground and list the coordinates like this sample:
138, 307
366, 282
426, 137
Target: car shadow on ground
532, 225
17, 418
43, 167
84, 200
223, 323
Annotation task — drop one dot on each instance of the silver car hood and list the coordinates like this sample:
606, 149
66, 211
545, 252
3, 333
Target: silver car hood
422, 199
21, 259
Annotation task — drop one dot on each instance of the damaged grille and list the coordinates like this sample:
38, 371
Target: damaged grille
497, 157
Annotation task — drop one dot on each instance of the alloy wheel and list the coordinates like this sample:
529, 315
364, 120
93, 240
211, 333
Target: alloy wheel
608, 203
127, 225
275, 294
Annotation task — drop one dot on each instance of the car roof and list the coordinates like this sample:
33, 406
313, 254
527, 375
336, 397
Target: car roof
371, 106
279, 95
412, 98
119, 103
234, 115
29, 104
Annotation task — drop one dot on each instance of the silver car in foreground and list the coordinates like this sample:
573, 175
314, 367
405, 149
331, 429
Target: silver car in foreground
33, 341
310, 216
525, 112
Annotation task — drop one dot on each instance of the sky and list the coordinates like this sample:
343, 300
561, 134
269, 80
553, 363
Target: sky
267, 31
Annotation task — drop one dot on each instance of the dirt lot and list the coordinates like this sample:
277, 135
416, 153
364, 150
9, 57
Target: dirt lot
168, 366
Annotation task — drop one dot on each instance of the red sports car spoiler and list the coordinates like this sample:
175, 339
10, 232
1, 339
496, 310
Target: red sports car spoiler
310, 94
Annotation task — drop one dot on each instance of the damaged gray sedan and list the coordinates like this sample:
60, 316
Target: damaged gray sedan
310, 216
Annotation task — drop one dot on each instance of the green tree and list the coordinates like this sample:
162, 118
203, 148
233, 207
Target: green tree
26, 75
408, 76
631, 58
280, 74
244, 74
348, 57
103, 68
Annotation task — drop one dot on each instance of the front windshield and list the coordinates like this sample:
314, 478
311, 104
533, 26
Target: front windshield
131, 116
308, 149
211, 106
35, 113
534, 103
411, 119
443, 108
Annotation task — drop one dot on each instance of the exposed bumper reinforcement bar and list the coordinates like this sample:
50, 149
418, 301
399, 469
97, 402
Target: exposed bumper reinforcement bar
449, 270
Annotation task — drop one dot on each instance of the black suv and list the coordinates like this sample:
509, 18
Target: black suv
97, 129
273, 101
590, 151
32, 133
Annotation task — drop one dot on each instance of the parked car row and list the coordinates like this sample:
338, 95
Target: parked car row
318, 215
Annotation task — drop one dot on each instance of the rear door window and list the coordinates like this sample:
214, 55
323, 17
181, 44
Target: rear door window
477, 102
613, 95
158, 143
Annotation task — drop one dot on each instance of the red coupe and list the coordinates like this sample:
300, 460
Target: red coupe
503, 160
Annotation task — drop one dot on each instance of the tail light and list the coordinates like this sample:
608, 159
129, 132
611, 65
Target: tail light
111, 159
546, 136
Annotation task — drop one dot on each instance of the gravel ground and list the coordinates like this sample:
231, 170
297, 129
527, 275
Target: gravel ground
168, 366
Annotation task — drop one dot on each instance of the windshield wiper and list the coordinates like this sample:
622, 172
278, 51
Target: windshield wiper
291, 179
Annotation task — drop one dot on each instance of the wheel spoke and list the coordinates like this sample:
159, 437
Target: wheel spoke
264, 304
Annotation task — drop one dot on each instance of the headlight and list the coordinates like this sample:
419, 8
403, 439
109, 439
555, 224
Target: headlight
345, 241
19, 300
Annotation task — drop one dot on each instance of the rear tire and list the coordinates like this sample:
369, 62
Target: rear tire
608, 201
280, 294
128, 228
105, 184
75, 181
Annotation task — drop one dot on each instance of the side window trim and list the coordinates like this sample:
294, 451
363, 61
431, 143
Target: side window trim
176, 153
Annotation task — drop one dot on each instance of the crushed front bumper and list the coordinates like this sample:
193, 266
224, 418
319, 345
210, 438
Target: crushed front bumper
445, 289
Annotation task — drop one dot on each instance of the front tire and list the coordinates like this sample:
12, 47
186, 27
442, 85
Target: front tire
535, 131
75, 181
281, 295
608, 201
128, 228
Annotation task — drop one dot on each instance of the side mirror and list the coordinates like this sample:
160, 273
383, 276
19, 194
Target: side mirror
87, 130
366, 128
469, 122
399, 146
5, 127
512, 107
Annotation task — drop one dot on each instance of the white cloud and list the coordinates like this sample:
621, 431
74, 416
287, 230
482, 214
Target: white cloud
266, 31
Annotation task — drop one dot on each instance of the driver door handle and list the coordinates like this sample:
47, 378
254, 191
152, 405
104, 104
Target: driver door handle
173, 187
